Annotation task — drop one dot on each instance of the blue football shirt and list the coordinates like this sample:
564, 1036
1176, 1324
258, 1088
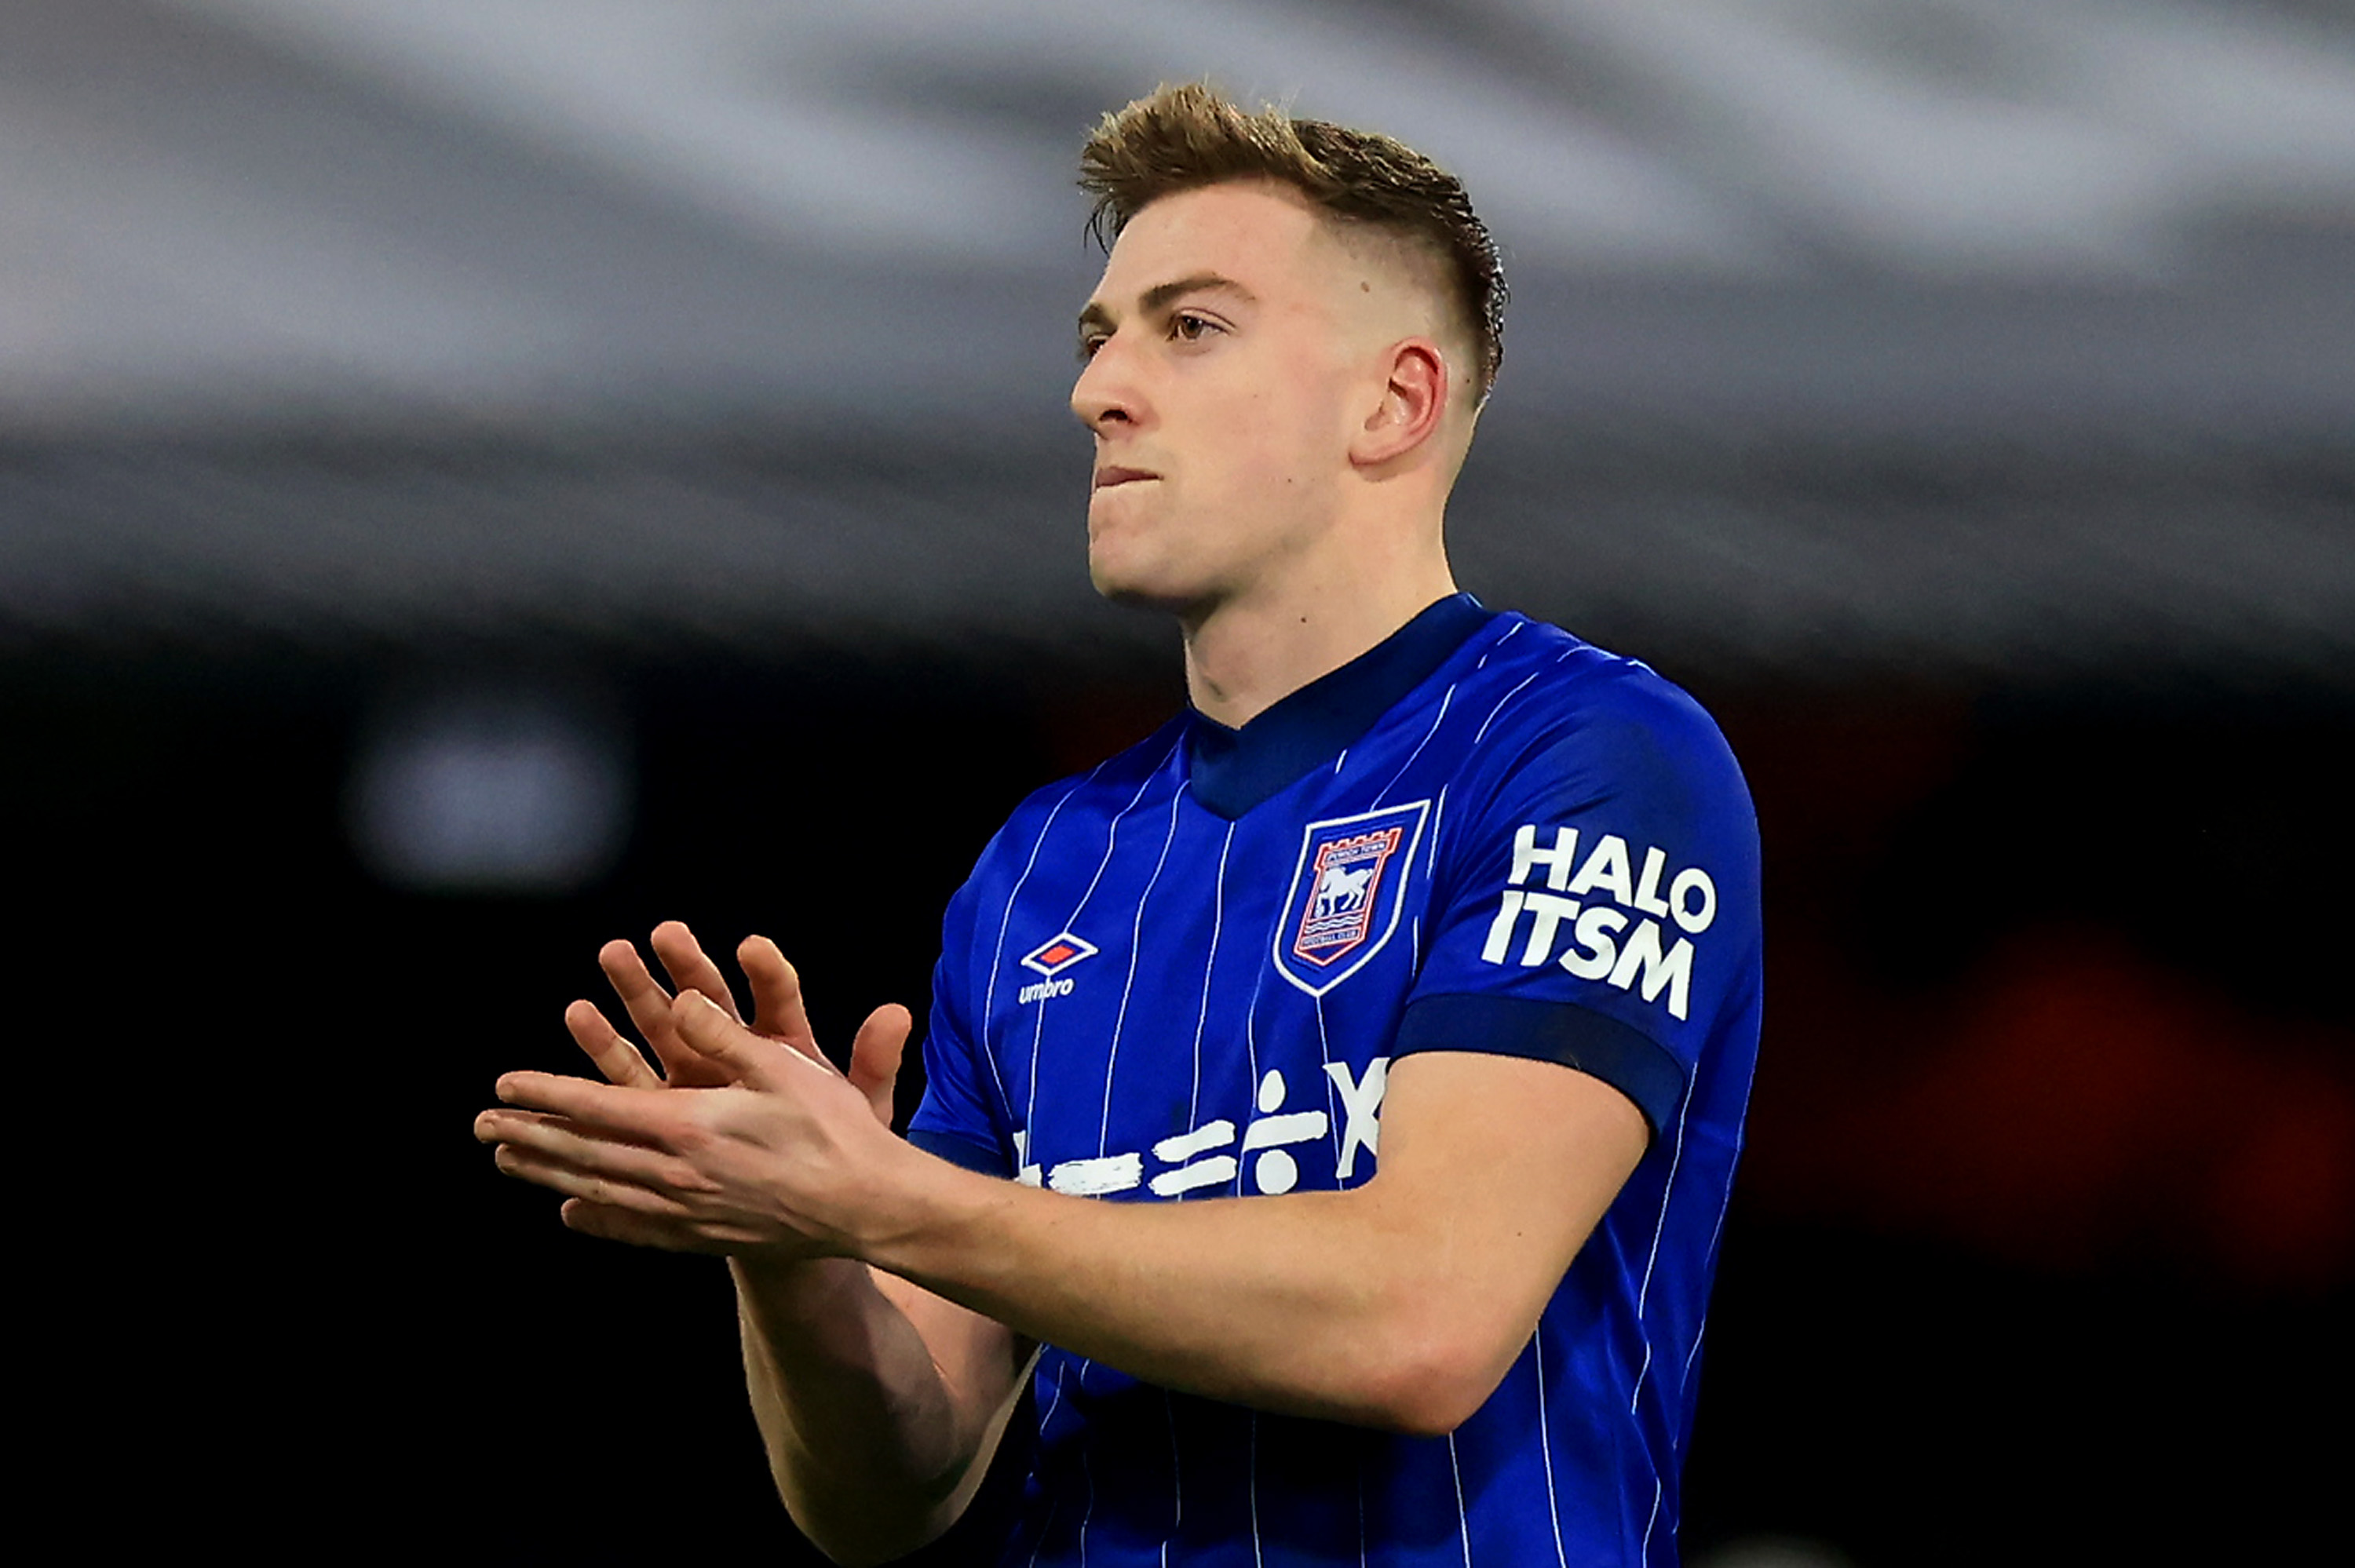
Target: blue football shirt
1187, 973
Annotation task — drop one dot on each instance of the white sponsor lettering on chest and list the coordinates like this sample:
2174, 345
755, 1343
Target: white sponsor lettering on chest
1212, 1156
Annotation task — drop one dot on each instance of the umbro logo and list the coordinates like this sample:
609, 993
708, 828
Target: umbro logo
1050, 958
1058, 953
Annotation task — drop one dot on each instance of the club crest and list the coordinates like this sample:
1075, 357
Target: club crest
1346, 893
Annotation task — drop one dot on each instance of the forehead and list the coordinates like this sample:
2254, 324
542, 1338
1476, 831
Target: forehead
1261, 235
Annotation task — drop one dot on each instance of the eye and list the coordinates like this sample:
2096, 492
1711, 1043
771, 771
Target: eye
1089, 342
1187, 327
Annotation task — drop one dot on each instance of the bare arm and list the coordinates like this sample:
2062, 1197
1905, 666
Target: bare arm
880, 1404
1398, 1304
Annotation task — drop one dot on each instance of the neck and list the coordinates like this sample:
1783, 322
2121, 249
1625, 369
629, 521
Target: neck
1246, 654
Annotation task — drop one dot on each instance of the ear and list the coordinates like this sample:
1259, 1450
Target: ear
1413, 403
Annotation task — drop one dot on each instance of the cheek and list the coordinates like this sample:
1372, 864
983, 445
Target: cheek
1273, 439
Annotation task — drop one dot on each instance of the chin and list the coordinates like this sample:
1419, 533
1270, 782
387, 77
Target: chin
1142, 590
1121, 588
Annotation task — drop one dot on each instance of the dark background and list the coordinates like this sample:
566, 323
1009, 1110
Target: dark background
2040, 1252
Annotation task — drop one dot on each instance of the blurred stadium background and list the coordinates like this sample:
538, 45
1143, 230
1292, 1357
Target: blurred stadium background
480, 478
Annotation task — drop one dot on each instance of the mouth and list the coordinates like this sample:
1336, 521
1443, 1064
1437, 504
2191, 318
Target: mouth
1106, 478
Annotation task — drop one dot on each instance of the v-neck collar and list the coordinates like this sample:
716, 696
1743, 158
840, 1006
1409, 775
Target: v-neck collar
1232, 771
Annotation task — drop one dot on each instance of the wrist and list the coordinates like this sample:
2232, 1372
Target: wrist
923, 1214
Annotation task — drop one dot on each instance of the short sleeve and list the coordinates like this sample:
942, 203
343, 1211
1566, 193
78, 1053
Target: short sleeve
1597, 897
957, 1119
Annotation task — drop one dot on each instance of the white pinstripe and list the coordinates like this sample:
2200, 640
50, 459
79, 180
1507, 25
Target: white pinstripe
1252, 1474
1510, 633
1463, 1518
1437, 720
1128, 987
1429, 866
1087, 1474
1176, 1479
1332, 1091
1360, 1468
1652, 1259
1202, 1018
997, 959
1044, 1422
1438, 815
1684, 1379
1479, 734
1644, 1296
1112, 837
1545, 1444
1250, 1041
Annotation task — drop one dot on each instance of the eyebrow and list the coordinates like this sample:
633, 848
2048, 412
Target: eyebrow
1162, 294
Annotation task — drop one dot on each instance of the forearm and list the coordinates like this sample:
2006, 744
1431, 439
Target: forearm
1335, 1305
1400, 1303
875, 1446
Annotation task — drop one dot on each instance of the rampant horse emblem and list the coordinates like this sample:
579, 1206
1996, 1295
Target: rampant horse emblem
1339, 892
1346, 893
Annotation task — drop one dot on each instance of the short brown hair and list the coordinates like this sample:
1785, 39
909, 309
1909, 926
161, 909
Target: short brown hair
1188, 136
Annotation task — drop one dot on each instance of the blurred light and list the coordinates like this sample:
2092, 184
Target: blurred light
490, 791
1774, 1551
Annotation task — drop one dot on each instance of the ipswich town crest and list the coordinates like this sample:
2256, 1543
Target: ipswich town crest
1346, 893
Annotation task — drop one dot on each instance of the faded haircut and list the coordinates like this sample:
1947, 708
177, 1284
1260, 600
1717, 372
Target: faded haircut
1182, 138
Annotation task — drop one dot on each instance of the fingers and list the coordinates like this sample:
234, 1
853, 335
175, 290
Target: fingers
734, 1052
646, 1003
875, 1055
649, 1003
558, 1176
690, 968
614, 1056
636, 1116
586, 1149
613, 1222
777, 1007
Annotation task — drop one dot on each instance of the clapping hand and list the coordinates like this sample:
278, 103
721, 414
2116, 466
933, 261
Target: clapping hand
735, 1145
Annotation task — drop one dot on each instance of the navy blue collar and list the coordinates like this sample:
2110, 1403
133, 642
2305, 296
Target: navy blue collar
1232, 770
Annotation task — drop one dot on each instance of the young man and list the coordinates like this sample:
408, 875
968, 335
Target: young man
1343, 1086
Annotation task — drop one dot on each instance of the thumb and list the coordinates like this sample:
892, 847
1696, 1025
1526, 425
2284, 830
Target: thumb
740, 1055
875, 1053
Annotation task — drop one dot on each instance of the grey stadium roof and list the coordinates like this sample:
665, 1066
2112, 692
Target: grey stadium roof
1967, 332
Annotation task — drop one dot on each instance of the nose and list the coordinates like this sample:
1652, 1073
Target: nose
1106, 395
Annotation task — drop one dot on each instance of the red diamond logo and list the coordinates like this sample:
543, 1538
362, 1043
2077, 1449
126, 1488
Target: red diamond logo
1059, 953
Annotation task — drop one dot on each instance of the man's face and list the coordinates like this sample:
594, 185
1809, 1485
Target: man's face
1225, 356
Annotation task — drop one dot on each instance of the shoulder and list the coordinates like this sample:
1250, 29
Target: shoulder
1087, 797
1595, 724
1083, 804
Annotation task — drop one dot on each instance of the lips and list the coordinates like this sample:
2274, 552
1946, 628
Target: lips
1108, 477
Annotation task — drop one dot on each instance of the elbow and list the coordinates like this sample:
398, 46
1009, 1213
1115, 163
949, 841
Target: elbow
1435, 1374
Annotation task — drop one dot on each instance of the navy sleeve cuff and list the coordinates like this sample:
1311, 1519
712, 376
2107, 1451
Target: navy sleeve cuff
970, 1153
1623, 1057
